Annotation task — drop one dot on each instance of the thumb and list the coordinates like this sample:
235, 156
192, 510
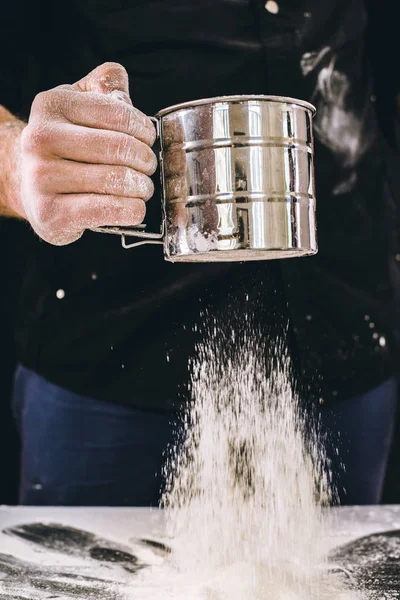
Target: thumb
108, 78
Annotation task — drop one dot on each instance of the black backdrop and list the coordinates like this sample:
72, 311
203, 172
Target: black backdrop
11, 236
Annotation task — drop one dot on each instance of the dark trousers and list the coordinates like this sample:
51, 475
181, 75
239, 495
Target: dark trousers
359, 432
80, 451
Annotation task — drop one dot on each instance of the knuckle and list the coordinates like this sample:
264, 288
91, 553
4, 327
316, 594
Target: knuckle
40, 101
37, 170
26, 139
35, 139
64, 103
43, 211
47, 102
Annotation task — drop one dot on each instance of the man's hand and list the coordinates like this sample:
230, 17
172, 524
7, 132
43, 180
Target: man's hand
86, 157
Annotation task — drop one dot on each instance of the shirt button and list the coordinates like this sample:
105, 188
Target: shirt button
272, 7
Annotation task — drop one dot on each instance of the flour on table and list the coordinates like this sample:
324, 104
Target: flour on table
248, 483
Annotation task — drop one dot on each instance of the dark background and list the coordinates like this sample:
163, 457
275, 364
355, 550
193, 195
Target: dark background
11, 248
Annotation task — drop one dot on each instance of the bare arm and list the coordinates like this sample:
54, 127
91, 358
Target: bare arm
10, 181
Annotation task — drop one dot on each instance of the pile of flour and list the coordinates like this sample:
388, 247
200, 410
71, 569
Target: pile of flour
247, 483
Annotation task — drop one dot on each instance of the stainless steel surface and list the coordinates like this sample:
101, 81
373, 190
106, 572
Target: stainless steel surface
238, 180
238, 98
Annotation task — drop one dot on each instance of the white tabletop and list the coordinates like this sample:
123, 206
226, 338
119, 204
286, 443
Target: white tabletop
49, 553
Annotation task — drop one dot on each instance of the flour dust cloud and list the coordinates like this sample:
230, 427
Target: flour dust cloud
247, 483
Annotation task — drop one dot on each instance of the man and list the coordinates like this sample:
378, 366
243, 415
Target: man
104, 334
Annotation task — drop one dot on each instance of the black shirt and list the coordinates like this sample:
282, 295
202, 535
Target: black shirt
128, 320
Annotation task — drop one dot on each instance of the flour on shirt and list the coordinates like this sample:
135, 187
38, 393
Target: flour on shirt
336, 124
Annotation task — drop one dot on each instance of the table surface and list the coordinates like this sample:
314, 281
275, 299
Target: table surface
92, 553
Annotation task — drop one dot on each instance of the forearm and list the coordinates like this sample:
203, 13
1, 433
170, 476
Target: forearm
10, 193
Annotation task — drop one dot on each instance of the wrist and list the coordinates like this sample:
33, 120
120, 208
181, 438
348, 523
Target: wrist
10, 168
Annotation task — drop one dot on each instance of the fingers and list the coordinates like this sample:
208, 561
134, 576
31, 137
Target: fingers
82, 144
95, 210
106, 78
64, 218
68, 177
97, 111
111, 80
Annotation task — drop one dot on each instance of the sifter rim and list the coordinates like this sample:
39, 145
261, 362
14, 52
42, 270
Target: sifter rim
237, 99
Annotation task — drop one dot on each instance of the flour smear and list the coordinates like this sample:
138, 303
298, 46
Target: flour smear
247, 481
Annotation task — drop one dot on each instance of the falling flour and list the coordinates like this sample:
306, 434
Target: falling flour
247, 483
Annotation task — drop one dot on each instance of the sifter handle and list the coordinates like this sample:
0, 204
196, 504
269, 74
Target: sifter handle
137, 231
